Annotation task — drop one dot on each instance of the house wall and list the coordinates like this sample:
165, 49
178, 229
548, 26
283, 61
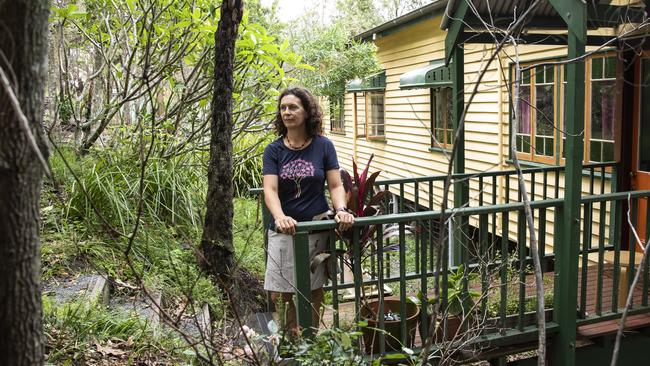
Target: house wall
405, 151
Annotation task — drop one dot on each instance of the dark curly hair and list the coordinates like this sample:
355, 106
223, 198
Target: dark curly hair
313, 117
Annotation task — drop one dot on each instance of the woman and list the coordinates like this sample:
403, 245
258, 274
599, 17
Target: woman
296, 166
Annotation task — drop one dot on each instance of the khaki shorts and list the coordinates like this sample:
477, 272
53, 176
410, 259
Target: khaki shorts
279, 265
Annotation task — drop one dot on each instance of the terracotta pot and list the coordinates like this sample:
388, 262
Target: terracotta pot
392, 337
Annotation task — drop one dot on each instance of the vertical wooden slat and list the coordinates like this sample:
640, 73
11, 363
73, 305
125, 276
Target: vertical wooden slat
424, 326
586, 244
545, 186
557, 184
356, 268
541, 241
401, 198
334, 277
444, 232
646, 266
617, 262
521, 244
532, 187
632, 247
504, 269
601, 256
402, 282
380, 287
418, 242
302, 281
483, 253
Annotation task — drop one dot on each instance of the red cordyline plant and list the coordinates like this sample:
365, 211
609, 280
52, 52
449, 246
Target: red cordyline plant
363, 201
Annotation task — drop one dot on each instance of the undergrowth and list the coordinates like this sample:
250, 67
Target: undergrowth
89, 231
80, 334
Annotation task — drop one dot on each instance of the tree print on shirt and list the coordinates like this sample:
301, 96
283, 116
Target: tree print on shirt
297, 170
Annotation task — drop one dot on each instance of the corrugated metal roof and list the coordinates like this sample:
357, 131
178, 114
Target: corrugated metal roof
414, 16
503, 9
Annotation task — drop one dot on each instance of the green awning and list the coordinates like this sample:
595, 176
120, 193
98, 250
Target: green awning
370, 83
434, 75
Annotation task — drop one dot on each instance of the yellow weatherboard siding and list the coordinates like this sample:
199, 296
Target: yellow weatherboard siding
405, 151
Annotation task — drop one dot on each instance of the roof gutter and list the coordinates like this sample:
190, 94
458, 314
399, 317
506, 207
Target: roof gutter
413, 16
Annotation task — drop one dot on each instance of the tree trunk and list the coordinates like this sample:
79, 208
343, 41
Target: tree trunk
217, 242
23, 50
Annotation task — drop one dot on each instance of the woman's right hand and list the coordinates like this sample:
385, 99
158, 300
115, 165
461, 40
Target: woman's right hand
285, 225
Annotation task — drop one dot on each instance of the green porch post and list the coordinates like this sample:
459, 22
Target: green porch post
461, 189
302, 280
574, 13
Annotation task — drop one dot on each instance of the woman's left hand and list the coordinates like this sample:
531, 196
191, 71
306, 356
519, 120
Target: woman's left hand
344, 219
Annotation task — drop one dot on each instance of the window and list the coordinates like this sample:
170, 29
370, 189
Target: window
602, 105
542, 111
360, 114
337, 116
375, 114
368, 105
442, 129
536, 112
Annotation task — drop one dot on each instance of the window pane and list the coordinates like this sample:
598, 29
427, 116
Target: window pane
377, 114
539, 146
524, 110
594, 151
545, 110
440, 136
549, 147
526, 144
525, 77
610, 67
440, 109
361, 115
597, 68
539, 74
603, 109
449, 108
550, 74
608, 151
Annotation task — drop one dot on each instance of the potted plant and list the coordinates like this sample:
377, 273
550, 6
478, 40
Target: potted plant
461, 305
363, 201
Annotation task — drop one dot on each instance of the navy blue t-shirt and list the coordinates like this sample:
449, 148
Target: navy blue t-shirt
301, 176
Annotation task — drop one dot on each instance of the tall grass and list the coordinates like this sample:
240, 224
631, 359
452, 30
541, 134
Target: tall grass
247, 161
174, 191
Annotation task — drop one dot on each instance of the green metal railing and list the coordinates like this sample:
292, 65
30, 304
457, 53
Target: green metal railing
503, 268
497, 250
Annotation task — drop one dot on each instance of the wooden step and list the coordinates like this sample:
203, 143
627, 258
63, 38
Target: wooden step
610, 327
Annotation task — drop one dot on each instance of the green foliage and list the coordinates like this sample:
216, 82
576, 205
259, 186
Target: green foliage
77, 333
247, 169
330, 346
458, 302
173, 191
73, 234
336, 59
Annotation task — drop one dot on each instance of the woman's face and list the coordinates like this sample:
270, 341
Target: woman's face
292, 112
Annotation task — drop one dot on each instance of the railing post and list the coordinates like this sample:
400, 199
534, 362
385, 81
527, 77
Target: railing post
266, 218
461, 186
574, 13
302, 281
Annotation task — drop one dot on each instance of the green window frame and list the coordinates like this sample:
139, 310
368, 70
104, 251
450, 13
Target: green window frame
541, 110
375, 115
442, 128
337, 114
